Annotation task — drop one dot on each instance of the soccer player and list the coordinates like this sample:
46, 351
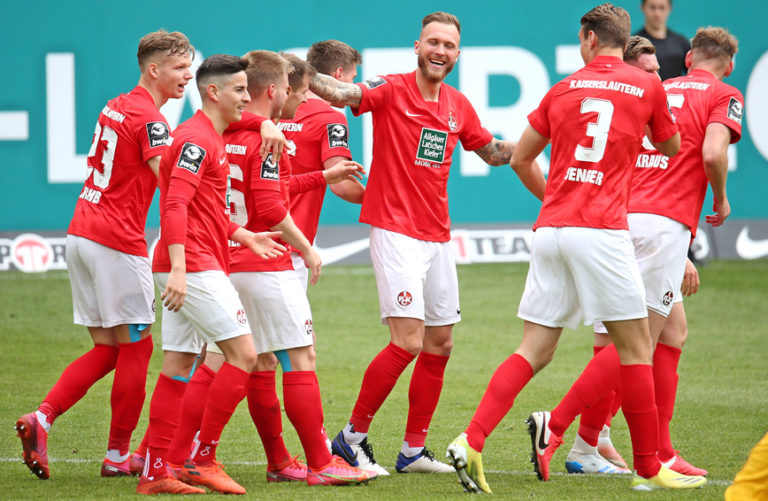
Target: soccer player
664, 207
582, 264
320, 137
418, 120
191, 264
751, 482
671, 47
109, 269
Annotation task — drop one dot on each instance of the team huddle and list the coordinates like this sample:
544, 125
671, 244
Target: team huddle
242, 183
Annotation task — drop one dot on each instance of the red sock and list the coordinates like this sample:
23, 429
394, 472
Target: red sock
615, 406
129, 392
227, 390
164, 411
640, 412
423, 395
301, 395
141, 450
665, 360
599, 378
378, 381
593, 418
77, 378
507, 381
264, 407
191, 414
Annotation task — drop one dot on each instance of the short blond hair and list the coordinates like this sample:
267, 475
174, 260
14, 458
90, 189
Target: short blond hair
636, 47
714, 43
328, 55
264, 69
441, 17
610, 23
163, 43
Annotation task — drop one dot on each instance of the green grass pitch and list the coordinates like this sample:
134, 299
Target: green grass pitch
722, 401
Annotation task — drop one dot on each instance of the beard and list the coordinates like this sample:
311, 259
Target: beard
428, 73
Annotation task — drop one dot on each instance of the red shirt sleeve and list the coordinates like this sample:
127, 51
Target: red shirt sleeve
249, 121
307, 181
729, 111
173, 216
376, 91
153, 135
661, 123
473, 135
268, 204
334, 136
538, 118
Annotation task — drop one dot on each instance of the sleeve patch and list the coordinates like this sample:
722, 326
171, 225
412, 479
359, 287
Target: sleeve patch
735, 110
337, 136
374, 82
158, 134
191, 157
269, 169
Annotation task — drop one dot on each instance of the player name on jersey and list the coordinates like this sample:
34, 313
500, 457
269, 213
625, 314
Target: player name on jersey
608, 85
114, 115
686, 85
290, 126
657, 160
236, 149
584, 175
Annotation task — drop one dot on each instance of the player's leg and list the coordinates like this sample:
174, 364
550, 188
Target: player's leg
192, 409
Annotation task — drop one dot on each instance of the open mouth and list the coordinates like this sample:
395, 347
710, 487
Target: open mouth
437, 62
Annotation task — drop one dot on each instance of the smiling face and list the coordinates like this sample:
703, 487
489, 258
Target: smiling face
295, 98
437, 50
233, 96
172, 74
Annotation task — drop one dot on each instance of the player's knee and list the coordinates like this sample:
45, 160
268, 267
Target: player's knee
266, 362
412, 345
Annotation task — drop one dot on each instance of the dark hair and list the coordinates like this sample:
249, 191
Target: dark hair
328, 55
636, 47
441, 17
297, 69
264, 68
610, 23
644, 1
163, 43
218, 65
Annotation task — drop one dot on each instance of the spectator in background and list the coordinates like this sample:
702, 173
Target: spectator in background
671, 47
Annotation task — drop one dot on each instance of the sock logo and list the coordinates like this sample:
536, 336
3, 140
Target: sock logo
206, 450
158, 463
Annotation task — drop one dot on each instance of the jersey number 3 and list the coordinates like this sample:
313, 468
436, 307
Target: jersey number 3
109, 136
598, 130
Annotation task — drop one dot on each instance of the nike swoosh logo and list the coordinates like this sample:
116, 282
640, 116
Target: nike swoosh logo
221, 162
409, 114
747, 248
542, 444
338, 252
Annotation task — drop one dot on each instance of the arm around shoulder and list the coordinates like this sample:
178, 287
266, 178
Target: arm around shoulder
336, 92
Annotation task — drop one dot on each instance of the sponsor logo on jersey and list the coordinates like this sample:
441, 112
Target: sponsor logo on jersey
374, 82
337, 136
308, 327
241, 318
735, 110
404, 299
667, 298
452, 122
432, 144
158, 134
191, 157
269, 169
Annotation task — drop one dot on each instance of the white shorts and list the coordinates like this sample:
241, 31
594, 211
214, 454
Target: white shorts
211, 312
300, 267
415, 278
277, 308
584, 274
109, 287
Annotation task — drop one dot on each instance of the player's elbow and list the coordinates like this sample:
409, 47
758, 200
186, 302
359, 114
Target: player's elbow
712, 156
671, 146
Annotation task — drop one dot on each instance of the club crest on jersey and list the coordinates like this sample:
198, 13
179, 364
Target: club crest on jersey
241, 318
735, 110
452, 123
158, 134
404, 298
337, 136
269, 169
667, 298
191, 157
308, 327
432, 144
374, 82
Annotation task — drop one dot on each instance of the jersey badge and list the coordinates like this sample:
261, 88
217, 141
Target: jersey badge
374, 82
191, 157
667, 298
269, 169
308, 327
337, 136
452, 122
158, 134
735, 110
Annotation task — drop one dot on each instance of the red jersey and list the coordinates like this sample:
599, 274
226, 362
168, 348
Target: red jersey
678, 192
413, 143
113, 205
260, 196
317, 133
596, 120
193, 198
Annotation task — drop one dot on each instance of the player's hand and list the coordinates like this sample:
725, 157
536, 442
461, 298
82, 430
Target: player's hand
722, 210
690, 279
175, 291
272, 140
314, 264
344, 170
262, 244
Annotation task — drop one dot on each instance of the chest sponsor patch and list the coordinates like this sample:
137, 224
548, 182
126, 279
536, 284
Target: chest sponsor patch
432, 145
735, 110
269, 169
338, 136
191, 157
158, 134
374, 82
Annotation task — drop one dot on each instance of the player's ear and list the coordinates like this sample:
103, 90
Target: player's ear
212, 90
152, 70
729, 68
416, 47
688, 59
338, 73
271, 91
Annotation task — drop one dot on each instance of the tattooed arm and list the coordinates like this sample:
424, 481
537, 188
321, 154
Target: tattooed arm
336, 92
496, 152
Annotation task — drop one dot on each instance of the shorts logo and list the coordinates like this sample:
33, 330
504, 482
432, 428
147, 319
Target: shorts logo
337, 136
269, 169
735, 110
374, 82
667, 298
308, 327
452, 123
241, 318
404, 298
157, 133
191, 157
153, 306
432, 145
